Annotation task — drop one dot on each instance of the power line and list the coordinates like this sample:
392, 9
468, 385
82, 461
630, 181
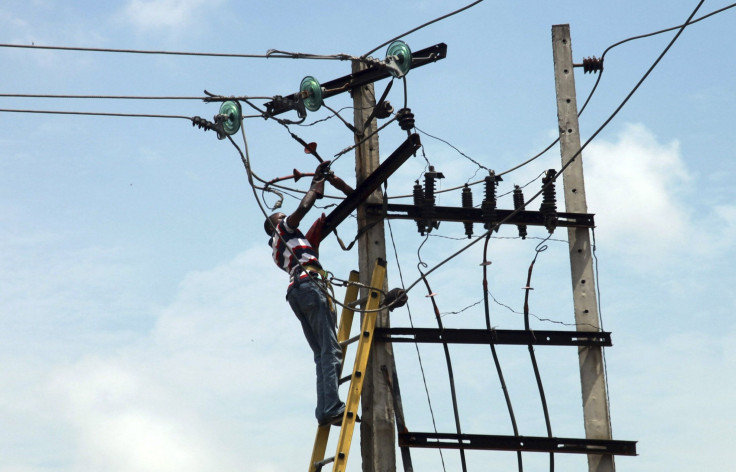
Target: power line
271, 54
113, 97
571, 159
92, 113
420, 27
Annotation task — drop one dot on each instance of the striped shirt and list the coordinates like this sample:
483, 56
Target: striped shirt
288, 242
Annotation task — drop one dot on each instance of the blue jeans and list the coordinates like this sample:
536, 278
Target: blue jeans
318, 322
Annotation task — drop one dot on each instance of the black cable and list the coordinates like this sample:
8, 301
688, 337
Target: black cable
541, 247
271, 54
90, 113
573, 157
102, 97
450, 374
420, 27
496, 361
600, 322
416, 344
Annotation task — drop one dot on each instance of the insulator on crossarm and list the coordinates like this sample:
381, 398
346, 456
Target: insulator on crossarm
467, 201
428, 203
418, 193
488, 207
519, 203
549, 201
406, 119
592, 65
206, 125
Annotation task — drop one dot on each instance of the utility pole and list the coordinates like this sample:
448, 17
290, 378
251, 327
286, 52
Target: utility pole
593, 382
377, 430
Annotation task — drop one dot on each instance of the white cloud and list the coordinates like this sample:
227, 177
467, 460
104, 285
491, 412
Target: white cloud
681, 389
224, 371
165, 14
634, 185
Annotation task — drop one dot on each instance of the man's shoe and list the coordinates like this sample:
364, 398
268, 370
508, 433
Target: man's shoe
334, 420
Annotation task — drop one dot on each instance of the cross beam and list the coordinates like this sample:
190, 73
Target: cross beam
495, 336
371, 183
475, 215
363, 77
517, 443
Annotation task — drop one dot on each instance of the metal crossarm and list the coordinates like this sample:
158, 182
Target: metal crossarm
475, 215
494, 336
364, 77
517, 443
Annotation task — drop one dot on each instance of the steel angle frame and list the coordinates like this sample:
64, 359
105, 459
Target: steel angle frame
495, 336
517, 443
371, 183
475, 215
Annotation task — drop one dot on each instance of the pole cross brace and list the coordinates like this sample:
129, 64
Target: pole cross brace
517, 443
494, 336
371, 183
475, 215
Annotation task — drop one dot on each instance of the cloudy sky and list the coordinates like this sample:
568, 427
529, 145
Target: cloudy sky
143, 325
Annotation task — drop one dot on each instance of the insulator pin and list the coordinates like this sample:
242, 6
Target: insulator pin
549, 201
406, 119
467, 201
418, 193
489, 205
519, 203
591, 64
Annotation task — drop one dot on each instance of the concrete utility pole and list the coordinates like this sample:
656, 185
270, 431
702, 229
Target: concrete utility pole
595, 399
377, 430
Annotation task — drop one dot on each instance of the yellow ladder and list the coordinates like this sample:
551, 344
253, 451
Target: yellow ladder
365, 339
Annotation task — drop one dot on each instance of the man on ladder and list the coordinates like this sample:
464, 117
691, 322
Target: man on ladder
298, 255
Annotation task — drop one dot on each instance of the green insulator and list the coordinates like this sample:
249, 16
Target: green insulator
313, 91
399, 53
231, 115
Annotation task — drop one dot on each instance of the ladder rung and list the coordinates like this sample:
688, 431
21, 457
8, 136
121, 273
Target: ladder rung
344, 379
347, 342
318, 465
360, 301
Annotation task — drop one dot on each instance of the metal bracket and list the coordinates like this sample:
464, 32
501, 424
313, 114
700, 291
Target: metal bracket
358, 79
371, 183
517, 443
476, 215
494, 336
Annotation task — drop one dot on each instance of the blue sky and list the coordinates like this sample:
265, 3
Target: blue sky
143, 325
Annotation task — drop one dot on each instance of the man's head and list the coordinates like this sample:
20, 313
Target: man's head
272, 221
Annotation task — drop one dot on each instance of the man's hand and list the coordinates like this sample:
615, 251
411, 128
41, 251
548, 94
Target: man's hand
322, 172
395, 298
318, 181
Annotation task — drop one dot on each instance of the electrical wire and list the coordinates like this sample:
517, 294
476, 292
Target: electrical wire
573, 157
541, 247
600, 322
450, 374
420, 27
271, 54
580, 112
102, 97
416, 344
496, 360
91, 113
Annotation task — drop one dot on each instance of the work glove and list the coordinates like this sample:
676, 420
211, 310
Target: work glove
395, 298
322, 171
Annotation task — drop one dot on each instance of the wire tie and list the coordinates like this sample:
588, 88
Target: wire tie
430, 295
486, 263
527, 288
